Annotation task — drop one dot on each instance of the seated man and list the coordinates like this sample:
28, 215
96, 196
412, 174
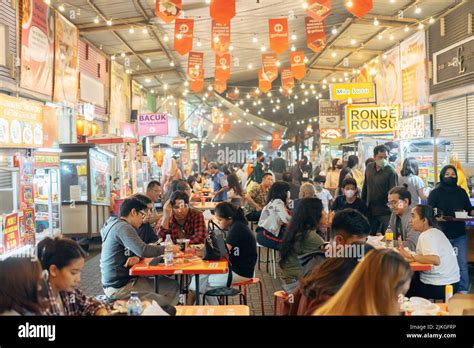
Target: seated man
399, 200
349, 198
258, 197
182, 221
350, 230
307, 190
122, 248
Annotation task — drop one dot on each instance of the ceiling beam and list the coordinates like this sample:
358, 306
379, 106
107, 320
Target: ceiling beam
368, 50
105, 28
153, 72
118, 21
330, 68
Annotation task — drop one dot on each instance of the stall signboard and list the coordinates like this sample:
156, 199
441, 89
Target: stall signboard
330, 133
46, 160
66, 69
21, 123
454, 61
344, 91
329, 114
11, 232
37, 46
100, 182
416, 127
371, 119
179, 143
153, 124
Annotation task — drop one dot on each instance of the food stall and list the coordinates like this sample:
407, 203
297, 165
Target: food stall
85, 171
416, 139
47, 196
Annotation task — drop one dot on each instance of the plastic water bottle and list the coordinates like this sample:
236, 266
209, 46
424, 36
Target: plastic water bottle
389, 238
168, 250
134, 305
448, 293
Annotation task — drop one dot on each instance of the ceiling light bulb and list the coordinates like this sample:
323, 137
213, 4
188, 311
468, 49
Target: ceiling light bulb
231, 48
376, 22
61, 8
255, 39
165, 86
349, 4
179, 36
208, 1
199, 44
96, 20
432, 20
421, 26
417, 9
148, 60
392, 37
250, 66
123, 55
293, 37
380, 37
263, 48
333, 54
109, 22
131, 30
293, 48
407, 28
145, 31
334, 31
216, 39
186, 83
353, 41
209, 88
305, 5
171, 63
166, 38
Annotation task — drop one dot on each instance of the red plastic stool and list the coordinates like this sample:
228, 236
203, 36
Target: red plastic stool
281, 296
245, 284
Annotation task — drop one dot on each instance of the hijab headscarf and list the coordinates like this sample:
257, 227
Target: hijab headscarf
448, 183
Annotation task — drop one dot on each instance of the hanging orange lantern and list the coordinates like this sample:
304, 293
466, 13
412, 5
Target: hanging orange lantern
159, 156
80, 127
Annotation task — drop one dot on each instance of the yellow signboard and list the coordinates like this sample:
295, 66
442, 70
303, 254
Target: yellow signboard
21, 122
372, 119
344, 91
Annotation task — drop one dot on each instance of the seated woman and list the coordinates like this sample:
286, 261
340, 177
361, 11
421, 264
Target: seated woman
373, 288
21, 285
274, 217
349, 198
242, 249
195, 187
63, 259
235, 192
301, 238
432, 248
318, 287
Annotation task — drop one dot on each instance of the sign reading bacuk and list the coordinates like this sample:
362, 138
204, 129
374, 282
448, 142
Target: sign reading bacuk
153, 124
372, 119
344, 91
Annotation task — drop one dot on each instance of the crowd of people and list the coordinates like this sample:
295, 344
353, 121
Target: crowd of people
305, 215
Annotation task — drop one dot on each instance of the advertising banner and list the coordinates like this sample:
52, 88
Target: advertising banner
183, 35
298, 66
344, 91
222, 71
318, 9
66, 67
270, 66
278, 29
220, 38
287, 80
371, 119
168, 10
37, 47
315, 35
222, 11
152, 124
11, 232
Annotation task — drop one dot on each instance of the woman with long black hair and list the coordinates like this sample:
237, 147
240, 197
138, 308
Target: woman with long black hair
301, 238
242, 247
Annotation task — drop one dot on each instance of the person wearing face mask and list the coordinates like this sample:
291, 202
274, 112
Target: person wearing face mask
449, 198
242, 247
332, 178
399, 201
380, 178
305, 169
63, 260
349, 198
324, 195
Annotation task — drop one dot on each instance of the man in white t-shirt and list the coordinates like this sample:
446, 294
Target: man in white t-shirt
323, 194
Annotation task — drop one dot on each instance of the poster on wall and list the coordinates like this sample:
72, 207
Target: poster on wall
21, 122
371, 119
153, 124
100, 183
11, 232
66, 68
119, 102
413, 65
37, 47
391, 91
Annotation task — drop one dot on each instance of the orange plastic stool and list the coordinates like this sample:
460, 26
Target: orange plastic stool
281, 296
247, 283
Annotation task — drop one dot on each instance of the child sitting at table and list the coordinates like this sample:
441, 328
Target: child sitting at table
432, 248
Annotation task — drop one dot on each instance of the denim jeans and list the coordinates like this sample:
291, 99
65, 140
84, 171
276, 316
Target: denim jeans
460, 247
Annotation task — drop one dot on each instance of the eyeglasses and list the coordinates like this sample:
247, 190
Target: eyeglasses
181, 206
393, 203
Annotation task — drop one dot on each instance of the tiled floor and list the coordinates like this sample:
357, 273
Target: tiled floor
91, 282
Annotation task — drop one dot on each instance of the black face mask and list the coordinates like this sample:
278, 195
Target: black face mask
450, 181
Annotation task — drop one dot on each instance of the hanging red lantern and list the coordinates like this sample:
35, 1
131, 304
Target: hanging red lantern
222, 11
360, 8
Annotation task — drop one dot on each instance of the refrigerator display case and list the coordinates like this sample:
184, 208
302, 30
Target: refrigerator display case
85, 171
47, 198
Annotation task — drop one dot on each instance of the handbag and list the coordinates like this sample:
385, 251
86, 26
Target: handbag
214, 246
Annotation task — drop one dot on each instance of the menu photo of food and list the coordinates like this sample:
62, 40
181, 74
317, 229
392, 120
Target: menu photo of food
4, 131
15, 132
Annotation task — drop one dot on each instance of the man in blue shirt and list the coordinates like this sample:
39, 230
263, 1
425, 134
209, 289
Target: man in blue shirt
219, 181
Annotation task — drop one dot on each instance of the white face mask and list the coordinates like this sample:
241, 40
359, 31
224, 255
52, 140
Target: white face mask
349, 193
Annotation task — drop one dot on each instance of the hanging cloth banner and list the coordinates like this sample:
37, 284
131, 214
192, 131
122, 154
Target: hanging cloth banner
270, 67
360, 8
319, 9
287, 80
196, 70
276, 140
315, 35
222, 11
222, 71
278, 35
183, 35
298, 66
220, 39
264, 84
220, 86
168, 10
